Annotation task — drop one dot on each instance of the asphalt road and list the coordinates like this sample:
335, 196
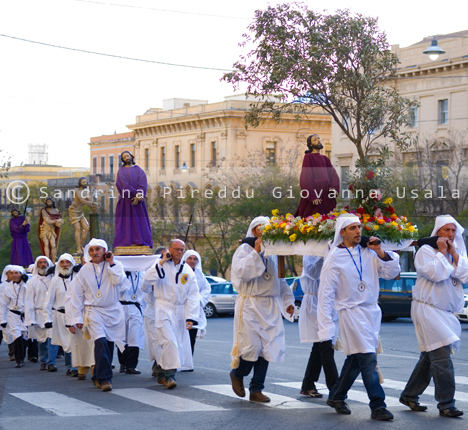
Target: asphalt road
31, 399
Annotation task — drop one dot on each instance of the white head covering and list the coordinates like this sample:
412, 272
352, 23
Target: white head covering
342, 222
49, 263
31, 268
260, 220
198, 268
67, 257
94, 242
5, 270
442, 220
10, 268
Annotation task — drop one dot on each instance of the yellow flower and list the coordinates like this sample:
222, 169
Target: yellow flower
343, 212
336, 213
267, 227
376, 227
288, 215
411, 229
275, 212
293, 237
388, 201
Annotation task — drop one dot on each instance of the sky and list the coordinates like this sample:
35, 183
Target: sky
63, 98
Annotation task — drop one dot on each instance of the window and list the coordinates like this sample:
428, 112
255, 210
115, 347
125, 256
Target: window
103, 164
414, 117
147, 159
111, 164
163, 157
192, 155
120, 160
94, 165
213, 154
344, 179
177, 156
270, 153
443, 111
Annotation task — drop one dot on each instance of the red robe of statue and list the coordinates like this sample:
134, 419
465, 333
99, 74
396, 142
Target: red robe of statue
317, 177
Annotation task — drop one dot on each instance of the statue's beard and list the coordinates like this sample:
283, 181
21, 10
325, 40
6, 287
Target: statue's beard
317, 147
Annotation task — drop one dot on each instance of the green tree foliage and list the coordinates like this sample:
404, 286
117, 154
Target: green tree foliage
339, 62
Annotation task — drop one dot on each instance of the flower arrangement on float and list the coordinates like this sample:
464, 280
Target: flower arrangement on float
384, 224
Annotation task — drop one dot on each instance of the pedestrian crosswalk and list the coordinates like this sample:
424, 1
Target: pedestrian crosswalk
216, 398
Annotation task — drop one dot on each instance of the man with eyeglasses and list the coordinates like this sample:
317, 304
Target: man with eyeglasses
176, 306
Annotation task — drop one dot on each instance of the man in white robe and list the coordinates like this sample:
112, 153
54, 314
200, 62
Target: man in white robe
193, 259
132, 299
176, 309
438, 293
350, 284
150, 326
322, 353
12, 312
6, 277
258, 326
55, 307
38, 289
94, 304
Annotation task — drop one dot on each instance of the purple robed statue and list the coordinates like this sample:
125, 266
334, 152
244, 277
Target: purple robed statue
319, 181
21, 253
132, 226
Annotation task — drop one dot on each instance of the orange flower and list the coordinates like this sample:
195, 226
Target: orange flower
393, 216
380, 221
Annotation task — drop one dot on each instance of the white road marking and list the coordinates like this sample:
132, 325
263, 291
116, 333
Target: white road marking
277, 401
168, 402
62, 405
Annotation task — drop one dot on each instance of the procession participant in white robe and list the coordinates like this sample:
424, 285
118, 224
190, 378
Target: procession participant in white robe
94, 304
55, 308
12, 312
258, 326
150, 327
322, 354
350, 284
6, 277
132, 298
437, 294
193, 259
82, 350
38, 289
176, 308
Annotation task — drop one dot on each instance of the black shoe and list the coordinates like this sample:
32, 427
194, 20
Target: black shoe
68, 372
381, 414
52, 368
43, 366
122, 368
131, 371
18, 365
33, 360
451, 412
340, 406
74, 373
414, 406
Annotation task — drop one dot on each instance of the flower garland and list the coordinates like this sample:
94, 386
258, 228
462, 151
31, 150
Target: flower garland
384, 224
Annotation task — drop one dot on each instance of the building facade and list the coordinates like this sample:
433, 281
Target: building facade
440, 87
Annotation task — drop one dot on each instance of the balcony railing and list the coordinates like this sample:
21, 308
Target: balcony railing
101, 177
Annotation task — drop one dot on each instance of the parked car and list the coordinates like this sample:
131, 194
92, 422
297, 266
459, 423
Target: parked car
463, 315
395, 296
222, 299
215, 279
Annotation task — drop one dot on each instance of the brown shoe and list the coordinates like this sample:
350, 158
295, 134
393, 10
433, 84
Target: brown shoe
81, 376
170, 383
96, 383
161, 380
106, 386
237, 385
258, 396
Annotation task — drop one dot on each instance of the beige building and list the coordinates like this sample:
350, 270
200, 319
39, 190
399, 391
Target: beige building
440, 87
179, 145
